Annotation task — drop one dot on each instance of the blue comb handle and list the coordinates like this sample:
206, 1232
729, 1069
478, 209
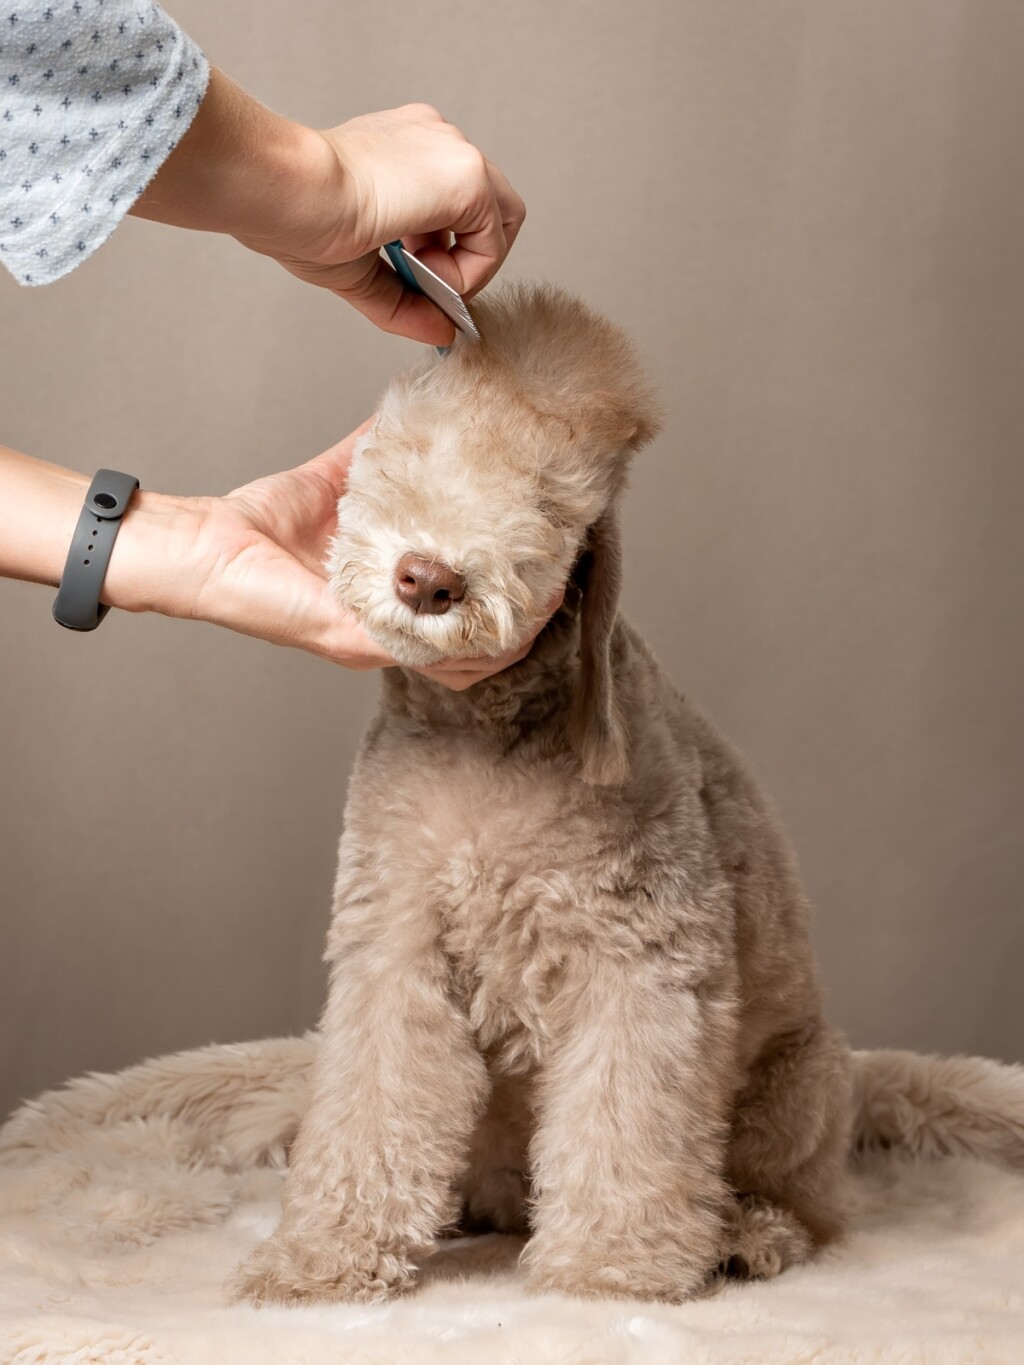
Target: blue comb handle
394, 255
394, 251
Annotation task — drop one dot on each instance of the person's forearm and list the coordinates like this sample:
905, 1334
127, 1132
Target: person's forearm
157, 530
48, 500
241, 166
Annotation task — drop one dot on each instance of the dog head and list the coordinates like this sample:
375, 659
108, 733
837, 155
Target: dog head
489, 474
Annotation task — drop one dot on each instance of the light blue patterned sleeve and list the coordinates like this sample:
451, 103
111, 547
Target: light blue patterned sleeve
94, 95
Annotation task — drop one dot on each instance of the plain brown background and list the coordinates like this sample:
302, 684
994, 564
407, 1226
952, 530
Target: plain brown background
811, 217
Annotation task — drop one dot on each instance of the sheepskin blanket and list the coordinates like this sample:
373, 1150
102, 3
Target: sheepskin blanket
126, 1200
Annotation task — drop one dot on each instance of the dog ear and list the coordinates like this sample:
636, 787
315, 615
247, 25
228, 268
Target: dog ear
595, 721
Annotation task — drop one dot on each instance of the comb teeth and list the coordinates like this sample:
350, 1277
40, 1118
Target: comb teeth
417, 276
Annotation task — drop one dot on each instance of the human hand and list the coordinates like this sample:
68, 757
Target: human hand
324, 203
253, 561
405, 173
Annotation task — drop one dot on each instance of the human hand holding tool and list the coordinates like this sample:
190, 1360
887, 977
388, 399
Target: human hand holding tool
322, 204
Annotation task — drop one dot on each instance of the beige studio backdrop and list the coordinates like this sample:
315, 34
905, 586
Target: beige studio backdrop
811, 216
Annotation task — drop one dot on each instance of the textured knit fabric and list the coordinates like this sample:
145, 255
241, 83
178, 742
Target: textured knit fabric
94, 95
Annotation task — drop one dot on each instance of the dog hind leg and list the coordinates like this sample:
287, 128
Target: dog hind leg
788, 1148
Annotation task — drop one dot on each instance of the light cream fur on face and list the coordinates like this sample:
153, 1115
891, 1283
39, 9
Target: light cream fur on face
572, 991
475, 460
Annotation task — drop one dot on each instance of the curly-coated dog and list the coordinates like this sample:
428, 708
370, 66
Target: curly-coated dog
572, 991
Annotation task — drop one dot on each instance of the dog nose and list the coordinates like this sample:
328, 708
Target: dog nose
428, 585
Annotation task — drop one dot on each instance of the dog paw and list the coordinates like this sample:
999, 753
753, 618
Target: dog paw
668, 1279
284, 1271
763, 1240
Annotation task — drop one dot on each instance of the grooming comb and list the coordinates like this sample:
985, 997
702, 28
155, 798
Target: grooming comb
422, 280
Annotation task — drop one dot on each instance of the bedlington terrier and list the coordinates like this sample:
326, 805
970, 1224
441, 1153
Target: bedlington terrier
572, 991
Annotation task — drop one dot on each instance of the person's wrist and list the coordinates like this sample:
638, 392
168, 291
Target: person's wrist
302, 202
153, 565
244, 170
351, 195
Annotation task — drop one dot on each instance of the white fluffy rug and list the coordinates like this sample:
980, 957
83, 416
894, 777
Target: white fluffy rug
126, 1200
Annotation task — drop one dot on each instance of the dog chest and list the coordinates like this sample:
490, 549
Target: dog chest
479, 858
511, 868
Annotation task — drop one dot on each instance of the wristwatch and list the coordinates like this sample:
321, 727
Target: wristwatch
77, 604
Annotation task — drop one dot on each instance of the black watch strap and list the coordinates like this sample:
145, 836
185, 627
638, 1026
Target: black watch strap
77, 604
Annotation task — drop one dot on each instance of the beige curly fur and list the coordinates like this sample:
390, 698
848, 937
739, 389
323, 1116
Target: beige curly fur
572, 990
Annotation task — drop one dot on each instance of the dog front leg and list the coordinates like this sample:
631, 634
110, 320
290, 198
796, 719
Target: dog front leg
398, 1086
628, 1154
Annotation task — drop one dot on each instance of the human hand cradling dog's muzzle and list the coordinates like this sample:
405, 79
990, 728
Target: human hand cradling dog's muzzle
253, 561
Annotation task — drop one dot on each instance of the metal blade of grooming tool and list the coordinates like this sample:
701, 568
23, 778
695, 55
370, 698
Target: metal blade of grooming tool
415, 275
